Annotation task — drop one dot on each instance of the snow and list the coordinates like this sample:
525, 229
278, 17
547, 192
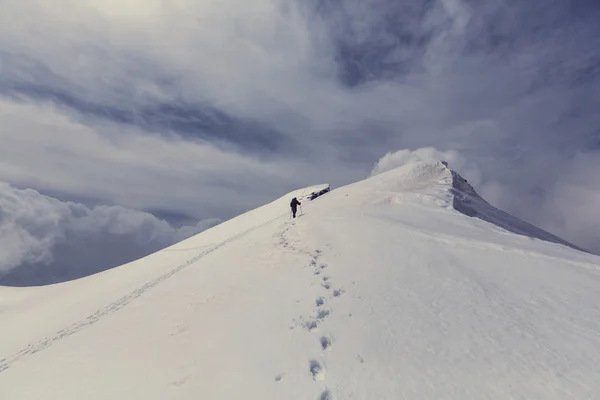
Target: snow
382, 289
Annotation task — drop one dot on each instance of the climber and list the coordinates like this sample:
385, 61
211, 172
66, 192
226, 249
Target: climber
294, 204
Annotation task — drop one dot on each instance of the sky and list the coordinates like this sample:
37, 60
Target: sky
156, 120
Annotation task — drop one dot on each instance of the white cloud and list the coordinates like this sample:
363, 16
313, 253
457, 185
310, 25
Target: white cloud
572, 205
245, 57
38, 233
122, 165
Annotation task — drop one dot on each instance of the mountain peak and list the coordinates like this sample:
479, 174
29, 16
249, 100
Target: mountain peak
436, 183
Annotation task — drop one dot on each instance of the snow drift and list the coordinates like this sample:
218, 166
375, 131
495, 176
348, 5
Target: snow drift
405, 285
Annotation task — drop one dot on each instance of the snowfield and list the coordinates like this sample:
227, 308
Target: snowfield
406, 285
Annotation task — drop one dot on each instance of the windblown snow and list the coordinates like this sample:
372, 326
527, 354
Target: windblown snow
406, 285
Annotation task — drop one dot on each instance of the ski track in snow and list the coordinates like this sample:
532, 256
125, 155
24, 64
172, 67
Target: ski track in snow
31, 349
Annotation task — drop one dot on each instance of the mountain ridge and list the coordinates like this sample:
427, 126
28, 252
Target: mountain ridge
436, 183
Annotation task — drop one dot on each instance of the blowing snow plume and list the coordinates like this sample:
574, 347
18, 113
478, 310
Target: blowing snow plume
381, 279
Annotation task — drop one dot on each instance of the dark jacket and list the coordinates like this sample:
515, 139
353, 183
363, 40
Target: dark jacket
294, 203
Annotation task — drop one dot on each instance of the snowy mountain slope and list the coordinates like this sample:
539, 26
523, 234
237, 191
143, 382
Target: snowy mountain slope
381, 290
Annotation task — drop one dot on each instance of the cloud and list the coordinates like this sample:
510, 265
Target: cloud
171, 53
44, 240
570, 205
212, 108
119, 164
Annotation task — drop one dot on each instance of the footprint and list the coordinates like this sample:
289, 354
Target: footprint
325, 342
320, 301
327, 285
180, 382
322, 314
323, 266
326, 395
325, 278
310, 325
338, 292
317, 370
278, 378
180, 329
317, 272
